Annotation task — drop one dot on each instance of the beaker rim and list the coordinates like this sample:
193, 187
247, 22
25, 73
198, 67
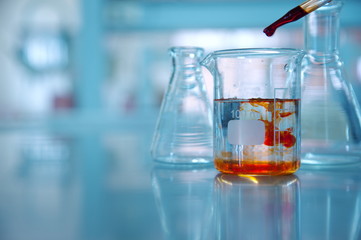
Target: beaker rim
265, 52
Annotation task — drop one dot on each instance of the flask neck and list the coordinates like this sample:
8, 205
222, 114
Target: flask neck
186, 67
322, 30
186, 57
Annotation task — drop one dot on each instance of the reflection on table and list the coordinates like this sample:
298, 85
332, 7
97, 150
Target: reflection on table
103, 185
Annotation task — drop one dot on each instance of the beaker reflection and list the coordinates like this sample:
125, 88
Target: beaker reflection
184, 198
263, 207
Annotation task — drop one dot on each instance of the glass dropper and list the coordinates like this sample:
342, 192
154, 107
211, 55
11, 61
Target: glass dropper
295, 14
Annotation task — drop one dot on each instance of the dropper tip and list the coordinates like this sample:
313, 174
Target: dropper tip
269, 31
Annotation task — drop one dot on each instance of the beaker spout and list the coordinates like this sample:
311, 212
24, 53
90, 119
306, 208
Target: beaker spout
209, 63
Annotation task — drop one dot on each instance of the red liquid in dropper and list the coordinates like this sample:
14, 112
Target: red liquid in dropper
291, 16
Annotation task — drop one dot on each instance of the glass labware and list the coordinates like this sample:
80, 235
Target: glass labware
331, 116
183, 132
256, 110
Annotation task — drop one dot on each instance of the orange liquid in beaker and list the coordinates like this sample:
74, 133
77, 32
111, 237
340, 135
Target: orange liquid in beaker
279, 153
256, 167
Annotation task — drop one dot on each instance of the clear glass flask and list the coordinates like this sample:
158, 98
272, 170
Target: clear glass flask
183, 132
331, 118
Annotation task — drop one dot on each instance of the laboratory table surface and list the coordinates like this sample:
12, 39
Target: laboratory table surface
89, 183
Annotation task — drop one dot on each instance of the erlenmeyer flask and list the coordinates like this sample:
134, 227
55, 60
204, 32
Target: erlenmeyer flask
331, 117
184, 128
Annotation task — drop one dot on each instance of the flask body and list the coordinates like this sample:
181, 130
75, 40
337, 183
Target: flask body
184, 128
331, 118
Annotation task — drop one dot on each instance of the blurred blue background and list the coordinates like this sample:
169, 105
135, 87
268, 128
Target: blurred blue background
81, 82
110, 56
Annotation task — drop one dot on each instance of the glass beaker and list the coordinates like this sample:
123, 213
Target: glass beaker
331, 114
183, 132
256, 110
